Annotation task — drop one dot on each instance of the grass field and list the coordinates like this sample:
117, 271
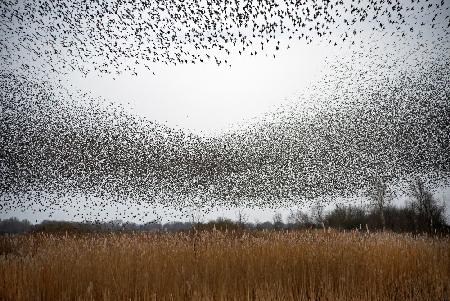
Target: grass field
217, 265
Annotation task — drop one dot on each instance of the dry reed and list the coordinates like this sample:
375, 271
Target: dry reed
259, 265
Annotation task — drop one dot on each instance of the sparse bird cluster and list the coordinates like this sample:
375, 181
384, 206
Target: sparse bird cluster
117, 36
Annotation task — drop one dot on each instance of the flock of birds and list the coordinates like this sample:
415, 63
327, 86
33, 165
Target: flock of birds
59, 147
117, 36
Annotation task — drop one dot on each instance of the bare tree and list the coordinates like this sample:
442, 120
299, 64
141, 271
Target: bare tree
298, 218
317, 213
278, 220
241, 218
380, 195
425, 206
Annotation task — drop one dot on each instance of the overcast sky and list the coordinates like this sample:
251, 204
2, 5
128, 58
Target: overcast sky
207, 99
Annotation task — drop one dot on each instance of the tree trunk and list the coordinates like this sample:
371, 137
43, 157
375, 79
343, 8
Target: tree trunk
383, 222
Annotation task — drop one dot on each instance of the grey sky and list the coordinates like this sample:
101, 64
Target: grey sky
207, 99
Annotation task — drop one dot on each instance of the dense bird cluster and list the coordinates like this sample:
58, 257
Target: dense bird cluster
58, 147
383, 115
116, 36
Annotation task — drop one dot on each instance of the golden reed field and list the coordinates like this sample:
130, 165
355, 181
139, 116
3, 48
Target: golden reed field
220, 265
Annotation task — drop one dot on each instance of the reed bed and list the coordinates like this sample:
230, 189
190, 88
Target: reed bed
215, 265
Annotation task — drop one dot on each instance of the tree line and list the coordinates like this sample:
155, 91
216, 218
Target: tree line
421, 214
